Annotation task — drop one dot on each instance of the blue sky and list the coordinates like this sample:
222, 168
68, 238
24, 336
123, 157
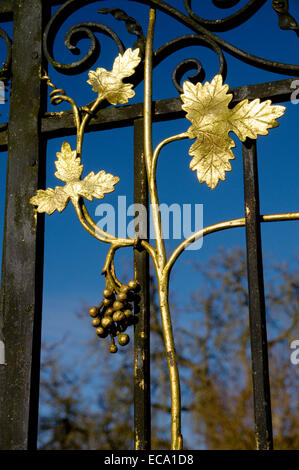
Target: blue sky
73, 259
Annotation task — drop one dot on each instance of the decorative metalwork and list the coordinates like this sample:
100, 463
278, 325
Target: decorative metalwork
212, 120
109, 86
231, 21
69, 170
202, 27
285, 19
86, 30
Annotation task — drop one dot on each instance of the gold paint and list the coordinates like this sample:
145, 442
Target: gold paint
222, 226
212, 120
109, 85
141, 384
135, 365
69, 170
257, 441
159, 147
160, 255
55, 113
137, 443
280, 217
35, 219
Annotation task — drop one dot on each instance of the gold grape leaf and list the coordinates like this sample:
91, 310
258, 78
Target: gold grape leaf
69, 170
68, 165
109, 85
50, 200
96, 185
212, 120
248, 119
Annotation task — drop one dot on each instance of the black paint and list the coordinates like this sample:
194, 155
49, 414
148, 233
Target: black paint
257, 309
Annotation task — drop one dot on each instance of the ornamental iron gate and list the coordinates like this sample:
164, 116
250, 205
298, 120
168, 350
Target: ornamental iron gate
24, 137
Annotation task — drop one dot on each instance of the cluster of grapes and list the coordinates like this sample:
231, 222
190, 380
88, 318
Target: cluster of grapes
114, 314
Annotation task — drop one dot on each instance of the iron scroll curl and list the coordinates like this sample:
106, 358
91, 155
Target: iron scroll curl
229, 22
203, 29
195, 24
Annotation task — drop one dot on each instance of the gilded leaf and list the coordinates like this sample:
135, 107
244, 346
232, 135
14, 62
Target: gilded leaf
68, 165
109, 85
50, 200
125, 64
248, 119
211, 154
96, 185
212, 120
69, 169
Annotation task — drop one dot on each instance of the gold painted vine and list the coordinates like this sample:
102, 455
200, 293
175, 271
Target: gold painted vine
207, 108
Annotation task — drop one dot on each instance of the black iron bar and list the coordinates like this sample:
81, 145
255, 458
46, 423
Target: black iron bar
142, 399
257, 310
61, 124
22, 265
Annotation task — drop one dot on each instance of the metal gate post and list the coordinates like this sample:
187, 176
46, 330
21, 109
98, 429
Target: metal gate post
142, 404
257, 310
22, 265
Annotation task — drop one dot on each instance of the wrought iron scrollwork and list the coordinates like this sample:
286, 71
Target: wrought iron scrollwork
72, 37
212, 118
133, 27
86, 30
231, 21
204, 35
191, 63
225, 3
195, 23
285, 20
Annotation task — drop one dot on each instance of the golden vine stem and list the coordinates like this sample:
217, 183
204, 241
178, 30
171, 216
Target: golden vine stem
158, 253
223, 226
160, 256
81, 209
162, 144
101, 234
85, 120
148, 139
58, 96
57, 99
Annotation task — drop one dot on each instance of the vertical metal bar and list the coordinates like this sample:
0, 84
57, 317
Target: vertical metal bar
257, 316
142, 400
21, 294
